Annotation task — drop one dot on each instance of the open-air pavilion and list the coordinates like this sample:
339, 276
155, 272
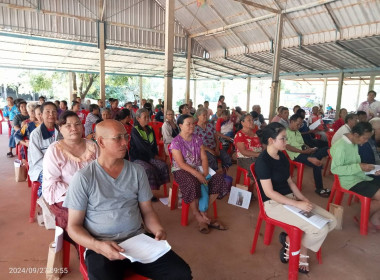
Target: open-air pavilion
194, 40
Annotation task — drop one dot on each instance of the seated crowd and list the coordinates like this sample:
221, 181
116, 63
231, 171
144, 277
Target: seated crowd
100, 168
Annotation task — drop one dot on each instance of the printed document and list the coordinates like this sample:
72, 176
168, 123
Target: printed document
316, 220
144, 249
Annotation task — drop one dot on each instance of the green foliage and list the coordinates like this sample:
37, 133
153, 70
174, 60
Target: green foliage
40, 82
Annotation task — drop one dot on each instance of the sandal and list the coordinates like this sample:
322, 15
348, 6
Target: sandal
284, 254
304, 271
217, 225
10, 155
282, 239
323, 192
203, 228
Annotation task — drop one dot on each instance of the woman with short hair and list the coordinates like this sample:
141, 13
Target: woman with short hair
144, 151
169, 129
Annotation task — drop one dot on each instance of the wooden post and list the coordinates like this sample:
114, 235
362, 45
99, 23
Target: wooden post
188, 64
248, 93
276, 68
339, 98
169, 47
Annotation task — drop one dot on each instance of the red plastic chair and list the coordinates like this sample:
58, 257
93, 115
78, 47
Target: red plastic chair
300, 167
294, 233
239, 171
33, 201
338, 192
185, 206
158, 134
330, 135
129, 275
152, 117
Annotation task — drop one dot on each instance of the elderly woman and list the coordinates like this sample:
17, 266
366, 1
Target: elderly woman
62, 159
277, 189
247, 143
351, 171
144, 151
124, 116
22, 135
189, 154
169, 129
206, 131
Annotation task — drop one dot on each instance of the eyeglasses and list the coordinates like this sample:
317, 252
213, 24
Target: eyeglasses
118, 138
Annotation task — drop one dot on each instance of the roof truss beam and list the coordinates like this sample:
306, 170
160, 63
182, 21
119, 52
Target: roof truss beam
266, 63
246, 65
321, 58
256, 5
355, 53
214, 69
225, 66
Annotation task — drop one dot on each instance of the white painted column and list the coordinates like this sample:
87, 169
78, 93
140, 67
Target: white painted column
248, 94
324, 93
371, 83
140, 89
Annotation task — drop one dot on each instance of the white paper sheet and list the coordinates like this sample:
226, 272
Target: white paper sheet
239, 197
373, 171
316, 220
164, 200
210, 171
144, 249
315, 124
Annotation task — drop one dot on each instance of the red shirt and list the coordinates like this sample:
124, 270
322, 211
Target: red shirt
250, 143
338, 124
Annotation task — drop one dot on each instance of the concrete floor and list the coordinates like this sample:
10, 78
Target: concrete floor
219, 255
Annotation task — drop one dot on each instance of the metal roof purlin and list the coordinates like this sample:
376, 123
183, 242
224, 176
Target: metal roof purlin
256, 5
212, 68
286, 11
309, 52
264, 62
225, 66
355, 53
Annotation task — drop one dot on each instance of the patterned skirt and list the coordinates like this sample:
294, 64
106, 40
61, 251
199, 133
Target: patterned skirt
191, 188
157, 172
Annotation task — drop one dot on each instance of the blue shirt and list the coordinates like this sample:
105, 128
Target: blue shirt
10, 113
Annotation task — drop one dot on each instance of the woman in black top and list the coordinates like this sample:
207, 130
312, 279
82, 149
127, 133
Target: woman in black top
277, 188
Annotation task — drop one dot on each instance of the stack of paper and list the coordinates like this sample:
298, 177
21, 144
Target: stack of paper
144, 249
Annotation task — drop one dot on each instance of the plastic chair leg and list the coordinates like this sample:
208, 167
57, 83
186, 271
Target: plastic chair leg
247, 180
338, 197
364, 215
294, 252
326, 166
33, 201
238, 174
174, 195
332, 194
269, 229
185, 214
300, 176
256, 236
66, 254
319, 256
165, 190
215, 210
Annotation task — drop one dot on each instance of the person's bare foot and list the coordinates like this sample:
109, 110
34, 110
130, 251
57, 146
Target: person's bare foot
314, 161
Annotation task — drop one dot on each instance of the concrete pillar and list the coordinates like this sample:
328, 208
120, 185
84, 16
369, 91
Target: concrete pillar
371, 83
274, 97
188, 64
248, 94
358, 96
195, 105
169, 48
339, 98
324, 93
140, 89
70, 89
222, 87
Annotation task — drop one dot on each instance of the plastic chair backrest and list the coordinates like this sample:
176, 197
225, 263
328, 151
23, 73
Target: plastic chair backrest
157, 130
1, 116
330, 135
170, 153
259, 198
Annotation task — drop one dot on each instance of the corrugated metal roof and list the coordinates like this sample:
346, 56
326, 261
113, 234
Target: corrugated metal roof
338, 35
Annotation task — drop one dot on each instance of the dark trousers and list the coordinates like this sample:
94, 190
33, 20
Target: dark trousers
169, 267
317, 170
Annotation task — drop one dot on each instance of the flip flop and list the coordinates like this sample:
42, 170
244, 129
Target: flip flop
217, 225
203, 228
323, 192
282, 238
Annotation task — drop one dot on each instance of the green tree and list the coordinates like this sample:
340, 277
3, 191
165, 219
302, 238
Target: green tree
41, 83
